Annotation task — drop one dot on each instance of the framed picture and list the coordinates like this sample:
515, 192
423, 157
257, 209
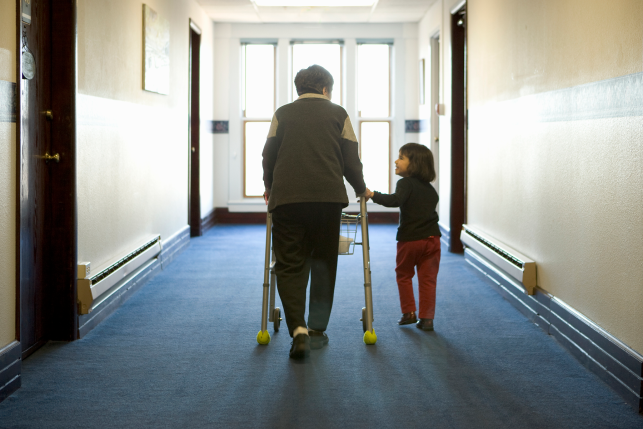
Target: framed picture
422, 81
156, 52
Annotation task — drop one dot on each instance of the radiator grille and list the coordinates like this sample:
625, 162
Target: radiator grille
505, 255
118, 264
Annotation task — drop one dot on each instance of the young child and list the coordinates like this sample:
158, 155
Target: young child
418, 236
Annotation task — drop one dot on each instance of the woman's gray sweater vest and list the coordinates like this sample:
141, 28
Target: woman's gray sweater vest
311, 147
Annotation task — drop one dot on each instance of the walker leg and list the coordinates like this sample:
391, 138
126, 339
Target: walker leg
273, 287
263, 337
369, 335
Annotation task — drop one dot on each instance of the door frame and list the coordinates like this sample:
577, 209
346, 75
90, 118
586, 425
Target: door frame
458, 200
194, 131
435, 70
60, 244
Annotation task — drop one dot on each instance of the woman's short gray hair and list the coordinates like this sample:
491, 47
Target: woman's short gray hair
314, 79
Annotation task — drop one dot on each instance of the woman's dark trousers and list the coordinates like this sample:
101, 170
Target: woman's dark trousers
305, 237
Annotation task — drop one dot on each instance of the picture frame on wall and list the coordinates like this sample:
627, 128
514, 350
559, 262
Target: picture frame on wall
156, 52
421, 81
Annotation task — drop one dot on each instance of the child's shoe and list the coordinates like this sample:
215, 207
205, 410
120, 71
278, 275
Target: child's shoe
425, 324
408, 318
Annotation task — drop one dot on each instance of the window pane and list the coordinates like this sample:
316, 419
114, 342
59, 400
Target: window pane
255, 138
326, 55
373, 80
259, 78
374, 144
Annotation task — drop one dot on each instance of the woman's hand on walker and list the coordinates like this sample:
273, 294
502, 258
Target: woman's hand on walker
266, 196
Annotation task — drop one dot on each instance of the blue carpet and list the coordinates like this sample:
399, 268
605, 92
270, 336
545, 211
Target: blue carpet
182, 353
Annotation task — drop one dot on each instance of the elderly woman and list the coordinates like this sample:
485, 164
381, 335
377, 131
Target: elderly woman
311, 147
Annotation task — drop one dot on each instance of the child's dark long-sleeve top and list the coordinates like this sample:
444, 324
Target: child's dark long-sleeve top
417, 202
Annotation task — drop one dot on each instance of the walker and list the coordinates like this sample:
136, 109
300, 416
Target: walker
348, 234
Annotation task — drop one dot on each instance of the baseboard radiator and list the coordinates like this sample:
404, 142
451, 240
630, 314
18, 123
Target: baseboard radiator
509, 260
92, 287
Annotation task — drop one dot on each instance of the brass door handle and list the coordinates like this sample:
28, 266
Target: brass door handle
436, 139
47, 157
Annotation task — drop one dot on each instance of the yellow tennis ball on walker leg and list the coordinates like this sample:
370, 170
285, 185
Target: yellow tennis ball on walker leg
370, 338
263, 337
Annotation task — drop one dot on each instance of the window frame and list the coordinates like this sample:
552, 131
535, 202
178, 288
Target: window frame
244, 118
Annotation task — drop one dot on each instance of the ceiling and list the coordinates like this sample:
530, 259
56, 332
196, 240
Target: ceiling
382, 11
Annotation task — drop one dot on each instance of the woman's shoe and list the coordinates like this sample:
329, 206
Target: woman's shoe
408, 318
425, 324
300, 346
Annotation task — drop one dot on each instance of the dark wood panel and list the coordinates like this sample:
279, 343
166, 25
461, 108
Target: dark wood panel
458, 131
62, 222
383, 217
35, 95
225, 216
194, 211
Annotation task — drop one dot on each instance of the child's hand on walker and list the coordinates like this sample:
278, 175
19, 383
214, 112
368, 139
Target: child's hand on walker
368, 194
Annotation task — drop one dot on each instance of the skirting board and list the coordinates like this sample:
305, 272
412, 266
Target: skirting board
223, 215
208, 221
446, 235
174, 245
10, 369
617, 365
121, 291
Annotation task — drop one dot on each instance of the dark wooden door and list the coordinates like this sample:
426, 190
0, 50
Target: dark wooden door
47, 176
194, 191
458, 129
35, 145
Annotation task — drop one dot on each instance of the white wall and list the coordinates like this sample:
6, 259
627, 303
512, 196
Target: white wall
556, 148
227, 90
7, 178
431, 26
438, 21
133, 144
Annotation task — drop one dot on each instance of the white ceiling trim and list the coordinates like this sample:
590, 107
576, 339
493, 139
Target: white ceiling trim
382, 11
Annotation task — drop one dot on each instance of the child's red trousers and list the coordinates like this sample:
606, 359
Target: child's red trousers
425, 255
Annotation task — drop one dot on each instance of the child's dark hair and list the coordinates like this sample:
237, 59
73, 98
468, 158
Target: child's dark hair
421, 164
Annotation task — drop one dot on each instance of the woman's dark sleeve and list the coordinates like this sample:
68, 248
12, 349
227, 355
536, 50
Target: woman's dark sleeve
401, 194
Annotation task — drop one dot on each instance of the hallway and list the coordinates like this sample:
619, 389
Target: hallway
182, 353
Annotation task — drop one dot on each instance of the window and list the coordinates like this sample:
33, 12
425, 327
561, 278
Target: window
258, 108
374, 107
370, 102
327, 55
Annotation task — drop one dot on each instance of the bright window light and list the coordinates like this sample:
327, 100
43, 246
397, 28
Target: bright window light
255, 138
374, 152
327, 3
373, 81
259, 81
327, 55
